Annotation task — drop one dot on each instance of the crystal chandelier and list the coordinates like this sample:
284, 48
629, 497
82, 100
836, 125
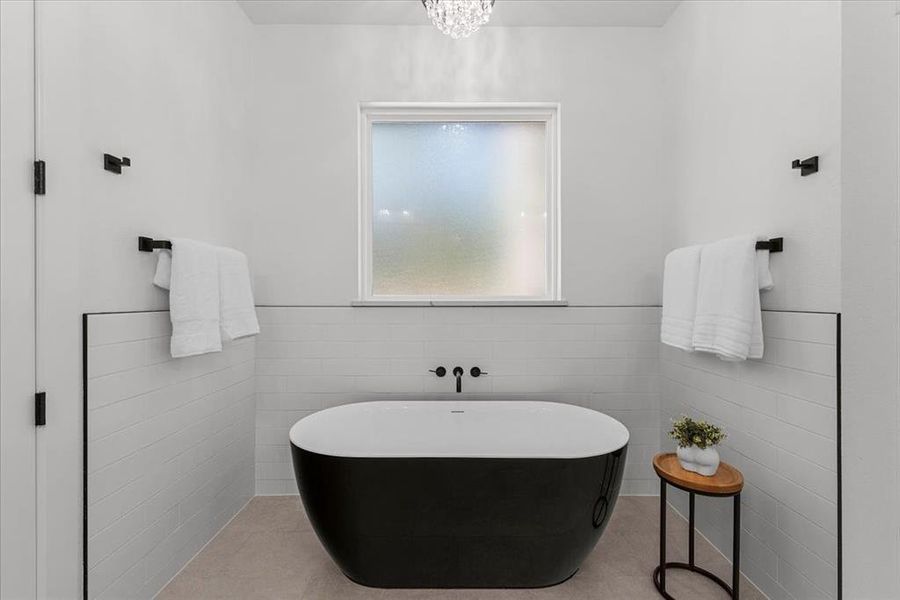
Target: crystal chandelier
459, 18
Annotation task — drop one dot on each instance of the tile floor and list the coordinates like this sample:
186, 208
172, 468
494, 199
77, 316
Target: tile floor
269, 551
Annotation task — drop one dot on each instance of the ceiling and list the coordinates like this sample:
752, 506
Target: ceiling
512, 13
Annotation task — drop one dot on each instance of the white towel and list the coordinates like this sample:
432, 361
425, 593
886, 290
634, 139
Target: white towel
237, 310
682, 270
193, 285
763, 275
728, 321
163, 276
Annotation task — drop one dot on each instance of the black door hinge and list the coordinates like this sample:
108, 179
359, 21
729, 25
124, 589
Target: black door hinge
40, 409
40, 178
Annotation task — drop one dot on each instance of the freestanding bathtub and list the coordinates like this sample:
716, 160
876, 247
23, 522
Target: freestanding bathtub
440, 494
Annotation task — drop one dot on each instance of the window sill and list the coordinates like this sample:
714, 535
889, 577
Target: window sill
444, 303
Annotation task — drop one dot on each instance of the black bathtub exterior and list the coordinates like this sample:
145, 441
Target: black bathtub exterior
458, 522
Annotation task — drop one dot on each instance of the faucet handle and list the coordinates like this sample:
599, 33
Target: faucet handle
477, 372
440, 371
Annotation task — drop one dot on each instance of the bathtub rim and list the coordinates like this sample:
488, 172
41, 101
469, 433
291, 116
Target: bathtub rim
619, 431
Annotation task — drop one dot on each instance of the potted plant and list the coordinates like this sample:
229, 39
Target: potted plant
697, 441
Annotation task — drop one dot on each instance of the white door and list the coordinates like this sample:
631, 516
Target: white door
17, 294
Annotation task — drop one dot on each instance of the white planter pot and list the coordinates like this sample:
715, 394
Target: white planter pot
703, 461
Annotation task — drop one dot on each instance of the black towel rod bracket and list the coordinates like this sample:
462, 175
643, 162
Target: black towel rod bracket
147, 244
773, 245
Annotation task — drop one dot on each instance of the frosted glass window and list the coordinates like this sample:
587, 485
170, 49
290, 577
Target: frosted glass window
459, 210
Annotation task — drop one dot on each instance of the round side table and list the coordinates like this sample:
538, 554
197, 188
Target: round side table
727, 482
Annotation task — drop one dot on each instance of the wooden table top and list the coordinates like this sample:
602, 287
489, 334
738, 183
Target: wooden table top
727, 481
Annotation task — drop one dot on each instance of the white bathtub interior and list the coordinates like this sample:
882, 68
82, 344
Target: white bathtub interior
459, 429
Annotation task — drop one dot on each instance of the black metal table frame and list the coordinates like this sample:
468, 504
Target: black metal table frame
659, 573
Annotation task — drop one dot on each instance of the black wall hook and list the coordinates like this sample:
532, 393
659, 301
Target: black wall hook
807, 166
115, 164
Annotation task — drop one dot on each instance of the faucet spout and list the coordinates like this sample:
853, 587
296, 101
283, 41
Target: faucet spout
458, 373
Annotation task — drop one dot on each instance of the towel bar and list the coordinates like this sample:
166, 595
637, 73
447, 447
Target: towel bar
146, 244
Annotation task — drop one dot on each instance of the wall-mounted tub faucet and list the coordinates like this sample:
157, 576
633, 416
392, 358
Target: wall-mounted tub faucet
458, 373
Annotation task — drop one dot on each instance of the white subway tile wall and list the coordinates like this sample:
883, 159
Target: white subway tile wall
171, 442
780, 414
312, 358
170, 450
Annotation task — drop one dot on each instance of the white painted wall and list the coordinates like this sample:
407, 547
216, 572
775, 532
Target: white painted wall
17, 433
751, 86
870, 298
309, 80
166, 85
163, 83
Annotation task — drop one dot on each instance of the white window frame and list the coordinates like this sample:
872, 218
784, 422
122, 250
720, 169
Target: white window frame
386, 112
